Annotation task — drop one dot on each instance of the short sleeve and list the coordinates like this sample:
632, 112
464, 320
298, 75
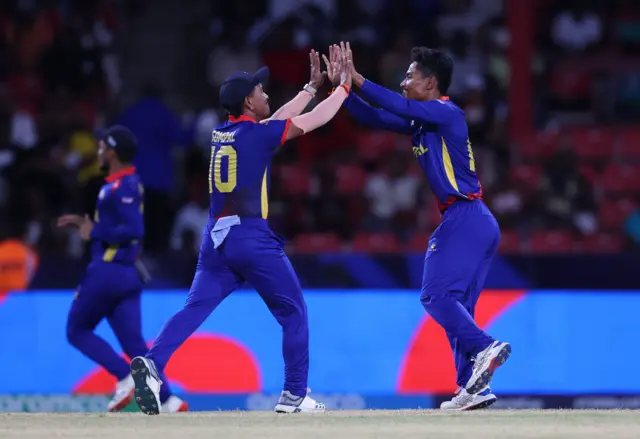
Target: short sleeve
273, 132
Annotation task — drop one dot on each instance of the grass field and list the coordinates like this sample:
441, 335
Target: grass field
405, 424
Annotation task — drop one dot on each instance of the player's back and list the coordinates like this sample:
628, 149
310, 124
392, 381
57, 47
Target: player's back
444, 152
240, 166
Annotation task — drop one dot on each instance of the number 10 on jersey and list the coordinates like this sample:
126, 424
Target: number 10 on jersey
226, 158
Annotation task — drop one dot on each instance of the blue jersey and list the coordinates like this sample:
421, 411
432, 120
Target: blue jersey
118, 220
440, 137
240, 166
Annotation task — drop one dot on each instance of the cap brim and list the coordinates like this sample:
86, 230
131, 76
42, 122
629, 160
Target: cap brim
261, 76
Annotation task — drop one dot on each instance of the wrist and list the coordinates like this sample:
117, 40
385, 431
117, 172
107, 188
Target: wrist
358, 80
309, 88
315, 84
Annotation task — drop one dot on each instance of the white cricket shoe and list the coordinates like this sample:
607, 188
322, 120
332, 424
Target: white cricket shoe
289, 403
122, 396
147, 385
174, 405
464, 401
485, 365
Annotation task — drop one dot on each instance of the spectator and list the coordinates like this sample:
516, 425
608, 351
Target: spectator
233, 55
394, 63
567, 196
189, 223
467, 62
576, 29
393, 195
158, 130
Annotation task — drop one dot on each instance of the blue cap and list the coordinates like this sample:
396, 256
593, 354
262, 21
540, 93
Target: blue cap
240, 85
118, 138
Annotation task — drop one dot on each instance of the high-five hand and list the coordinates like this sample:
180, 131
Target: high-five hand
345, 68
331, 63
316, 77
358, 79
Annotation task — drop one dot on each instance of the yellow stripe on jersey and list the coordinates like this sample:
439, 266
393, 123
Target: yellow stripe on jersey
110, 253
448, 166
264, 197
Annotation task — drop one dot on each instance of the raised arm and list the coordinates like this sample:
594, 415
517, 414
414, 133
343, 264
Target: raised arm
327, 109
431, 111
409, 109
296, 105
358, 108
375, 117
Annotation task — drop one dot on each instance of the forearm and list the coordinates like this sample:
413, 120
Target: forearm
323, 113
375, 117
391, 101
294, 107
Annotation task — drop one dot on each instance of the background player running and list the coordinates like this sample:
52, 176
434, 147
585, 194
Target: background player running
461, 249
238, 244
111, 287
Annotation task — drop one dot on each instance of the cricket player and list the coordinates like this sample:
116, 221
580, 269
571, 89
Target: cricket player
112, 286
461, 249
238, 244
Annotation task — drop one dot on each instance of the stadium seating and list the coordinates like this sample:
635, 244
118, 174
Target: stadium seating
376, 243
316, 243
551, 241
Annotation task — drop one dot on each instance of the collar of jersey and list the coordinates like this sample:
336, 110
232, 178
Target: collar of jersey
243, 118
445, 98
118, 175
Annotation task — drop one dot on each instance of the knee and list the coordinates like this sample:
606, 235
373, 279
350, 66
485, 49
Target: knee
74, 333
292, 315
431, 296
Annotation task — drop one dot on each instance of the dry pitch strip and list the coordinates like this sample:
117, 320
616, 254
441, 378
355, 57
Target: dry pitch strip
405, 424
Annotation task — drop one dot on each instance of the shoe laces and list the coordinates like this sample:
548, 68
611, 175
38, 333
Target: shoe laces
462, 397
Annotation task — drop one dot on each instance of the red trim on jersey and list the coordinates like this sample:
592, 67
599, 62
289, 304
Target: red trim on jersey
284, 133
118, 175
444, 98
243, 118
452, 199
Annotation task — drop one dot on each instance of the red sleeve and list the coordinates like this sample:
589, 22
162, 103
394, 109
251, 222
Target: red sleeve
285, 131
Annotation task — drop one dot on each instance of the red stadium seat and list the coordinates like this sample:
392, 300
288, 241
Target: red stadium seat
570, 84
601, 243
542, 144
295, 180
614, 213
510, 242
592, 144
376, 243
551, 241
372, 145
527, 175
621, 178
317, 243
350, 179
589, 173
434, 217
418, 242
629, 145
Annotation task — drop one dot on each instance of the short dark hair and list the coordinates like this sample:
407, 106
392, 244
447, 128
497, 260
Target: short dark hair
125, 155
434, 62
234, 111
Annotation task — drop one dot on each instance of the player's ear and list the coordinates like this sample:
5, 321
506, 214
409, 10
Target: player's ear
248, 102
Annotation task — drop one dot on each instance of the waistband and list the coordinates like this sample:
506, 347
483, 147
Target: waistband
248, 220
454, 199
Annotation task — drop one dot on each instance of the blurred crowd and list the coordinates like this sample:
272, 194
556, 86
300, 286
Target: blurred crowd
342, 186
